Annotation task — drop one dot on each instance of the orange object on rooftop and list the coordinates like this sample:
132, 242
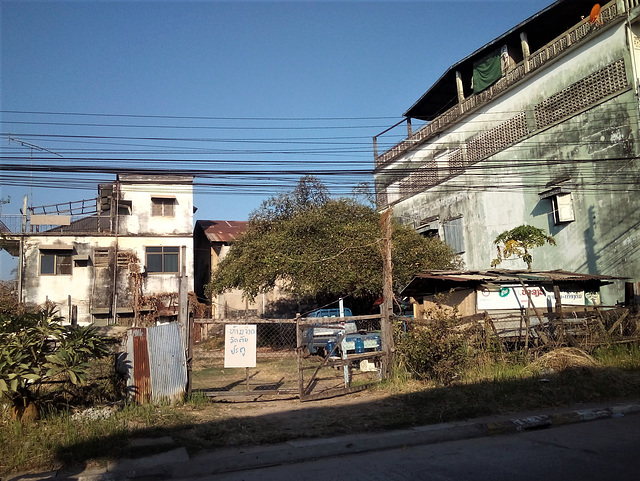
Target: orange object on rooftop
595, 14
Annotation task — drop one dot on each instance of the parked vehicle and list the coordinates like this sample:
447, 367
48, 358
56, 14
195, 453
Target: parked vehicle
322, 338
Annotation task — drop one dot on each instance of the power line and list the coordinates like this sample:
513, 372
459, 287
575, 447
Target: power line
187, 117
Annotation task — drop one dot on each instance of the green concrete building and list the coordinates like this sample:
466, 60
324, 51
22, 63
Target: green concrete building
540, 127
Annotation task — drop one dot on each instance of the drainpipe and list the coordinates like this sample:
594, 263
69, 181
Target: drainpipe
114, 215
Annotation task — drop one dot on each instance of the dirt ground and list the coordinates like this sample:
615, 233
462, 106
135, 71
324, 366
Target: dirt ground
265, 418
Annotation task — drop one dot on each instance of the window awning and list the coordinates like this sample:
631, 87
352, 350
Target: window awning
56, 247
557, 190
154, 196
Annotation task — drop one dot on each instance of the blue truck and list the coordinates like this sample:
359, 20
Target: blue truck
322, 338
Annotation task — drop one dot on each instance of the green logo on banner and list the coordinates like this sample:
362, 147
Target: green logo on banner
504, 291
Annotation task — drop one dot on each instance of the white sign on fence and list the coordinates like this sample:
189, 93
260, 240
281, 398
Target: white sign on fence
240, 345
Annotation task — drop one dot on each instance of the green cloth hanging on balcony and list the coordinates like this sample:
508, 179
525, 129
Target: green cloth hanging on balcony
486, 72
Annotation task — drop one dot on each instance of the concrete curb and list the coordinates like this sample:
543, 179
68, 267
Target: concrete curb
176, 463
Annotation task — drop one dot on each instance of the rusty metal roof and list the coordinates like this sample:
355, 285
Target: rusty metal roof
222, 230
501, 276
506, 275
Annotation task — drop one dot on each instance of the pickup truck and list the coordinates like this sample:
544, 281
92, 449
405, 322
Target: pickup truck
320, 339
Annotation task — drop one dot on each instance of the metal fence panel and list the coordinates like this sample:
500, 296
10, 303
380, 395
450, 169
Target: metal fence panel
276, 363
167, 362
156, 363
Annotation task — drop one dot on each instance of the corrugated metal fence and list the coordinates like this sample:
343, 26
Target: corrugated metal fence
156, 363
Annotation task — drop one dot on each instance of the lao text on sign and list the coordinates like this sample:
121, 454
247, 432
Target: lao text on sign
240, 345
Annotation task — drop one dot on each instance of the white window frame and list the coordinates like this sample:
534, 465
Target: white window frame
562, 208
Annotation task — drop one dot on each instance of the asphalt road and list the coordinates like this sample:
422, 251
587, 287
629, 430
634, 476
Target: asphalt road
600, 450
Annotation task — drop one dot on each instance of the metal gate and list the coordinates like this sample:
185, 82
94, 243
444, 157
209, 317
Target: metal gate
338, 355
275, 372
284, 363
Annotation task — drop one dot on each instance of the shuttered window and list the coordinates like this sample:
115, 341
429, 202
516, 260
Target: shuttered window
454, 234
562, 208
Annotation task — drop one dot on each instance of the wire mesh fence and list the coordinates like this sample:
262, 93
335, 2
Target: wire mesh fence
309, 358
276, 369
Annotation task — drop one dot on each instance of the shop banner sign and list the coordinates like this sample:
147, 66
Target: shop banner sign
515, 297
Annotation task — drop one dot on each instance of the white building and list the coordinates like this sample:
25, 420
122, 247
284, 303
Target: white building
130, 262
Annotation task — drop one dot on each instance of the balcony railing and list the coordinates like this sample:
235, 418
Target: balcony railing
533, 62
81, 225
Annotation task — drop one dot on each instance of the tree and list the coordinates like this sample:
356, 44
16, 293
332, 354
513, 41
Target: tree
518, 243
317, 246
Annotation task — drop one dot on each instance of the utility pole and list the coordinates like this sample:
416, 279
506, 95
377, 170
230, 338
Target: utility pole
23, 231
386, 309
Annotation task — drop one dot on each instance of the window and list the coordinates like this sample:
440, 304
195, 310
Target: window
163, 206
559, 193
454, 234
429, 227
55, 263
163, 259
101, 258
562, 208
124, 207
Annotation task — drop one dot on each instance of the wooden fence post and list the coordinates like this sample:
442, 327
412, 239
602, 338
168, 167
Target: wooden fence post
387, 293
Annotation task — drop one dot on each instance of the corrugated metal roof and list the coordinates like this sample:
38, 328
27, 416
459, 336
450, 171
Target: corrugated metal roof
222, 230
500, 276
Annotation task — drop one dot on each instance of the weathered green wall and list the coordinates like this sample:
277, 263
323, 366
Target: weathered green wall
595, 145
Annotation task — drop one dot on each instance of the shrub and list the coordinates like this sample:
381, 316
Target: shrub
433, 351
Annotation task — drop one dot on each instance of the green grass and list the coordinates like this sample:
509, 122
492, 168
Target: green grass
56, 440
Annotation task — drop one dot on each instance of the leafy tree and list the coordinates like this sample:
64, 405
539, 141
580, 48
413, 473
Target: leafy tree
518, 243
321, 247
35, 348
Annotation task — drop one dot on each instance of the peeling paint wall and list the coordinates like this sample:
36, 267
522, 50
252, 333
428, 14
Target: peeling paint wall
110, 270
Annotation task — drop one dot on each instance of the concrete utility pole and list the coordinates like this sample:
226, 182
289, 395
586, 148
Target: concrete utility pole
386, 309
21, 252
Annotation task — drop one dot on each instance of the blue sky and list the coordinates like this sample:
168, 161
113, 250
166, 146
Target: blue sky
281, 88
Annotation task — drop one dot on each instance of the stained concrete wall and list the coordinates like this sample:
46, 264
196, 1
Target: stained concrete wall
142, 222
90, 286
597, 148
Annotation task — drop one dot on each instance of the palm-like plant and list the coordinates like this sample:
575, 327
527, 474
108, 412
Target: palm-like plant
36, 348
518, 243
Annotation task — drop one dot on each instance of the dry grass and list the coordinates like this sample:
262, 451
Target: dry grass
502, 387
561, 359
